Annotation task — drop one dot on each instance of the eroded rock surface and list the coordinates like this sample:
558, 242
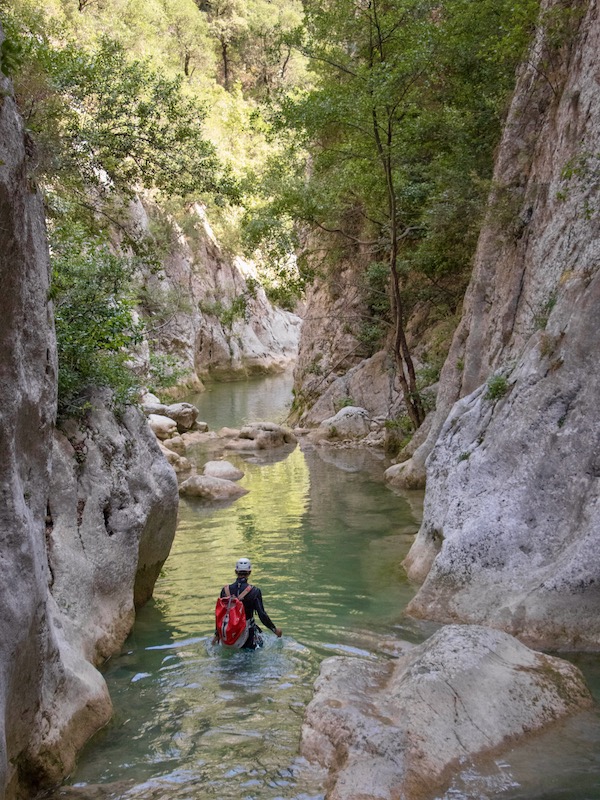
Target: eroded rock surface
112, 517
51, 700
222, 323
389, 729
511, 529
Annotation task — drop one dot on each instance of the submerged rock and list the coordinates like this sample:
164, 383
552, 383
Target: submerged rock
396, 729
209, 488
261, 436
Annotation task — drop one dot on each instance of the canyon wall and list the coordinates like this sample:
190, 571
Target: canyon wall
101, 513
333, 367
510, 535
204, 309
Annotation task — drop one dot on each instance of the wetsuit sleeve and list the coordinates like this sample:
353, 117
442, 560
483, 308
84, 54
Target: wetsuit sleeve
260, 610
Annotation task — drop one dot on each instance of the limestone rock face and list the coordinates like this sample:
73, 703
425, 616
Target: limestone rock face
395, 729
51, 701
332, 366
226, 326
370, 385
511, 529
538, 232
113, 512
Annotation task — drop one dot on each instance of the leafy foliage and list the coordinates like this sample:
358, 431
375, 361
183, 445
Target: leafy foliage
96, 325
390, 148
102, 119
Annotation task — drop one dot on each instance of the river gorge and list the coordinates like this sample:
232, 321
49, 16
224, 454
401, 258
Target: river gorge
327, 538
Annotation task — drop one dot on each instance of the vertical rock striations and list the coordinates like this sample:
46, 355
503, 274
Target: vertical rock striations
511, 530
80, 537
112, 517
36, 669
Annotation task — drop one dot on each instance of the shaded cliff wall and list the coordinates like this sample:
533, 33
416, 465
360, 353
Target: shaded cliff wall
206, 309
102, 513
334, 367
32, 669
511, 527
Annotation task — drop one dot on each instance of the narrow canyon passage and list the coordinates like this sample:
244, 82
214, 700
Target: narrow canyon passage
327, 538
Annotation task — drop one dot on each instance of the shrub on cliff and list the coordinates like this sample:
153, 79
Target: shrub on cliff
96, 325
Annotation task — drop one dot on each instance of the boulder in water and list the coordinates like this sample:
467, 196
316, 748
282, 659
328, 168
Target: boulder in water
184, 414
396, 729
206, 487
350, 422
222, 469
262, 436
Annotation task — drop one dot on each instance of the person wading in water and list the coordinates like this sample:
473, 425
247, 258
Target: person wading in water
252, 601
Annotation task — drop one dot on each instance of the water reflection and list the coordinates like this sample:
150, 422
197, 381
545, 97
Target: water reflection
327, 538
326, 544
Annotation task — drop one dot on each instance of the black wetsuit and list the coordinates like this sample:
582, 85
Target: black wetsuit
252, 602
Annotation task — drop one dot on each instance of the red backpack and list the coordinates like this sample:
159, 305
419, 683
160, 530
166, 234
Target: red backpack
230, 618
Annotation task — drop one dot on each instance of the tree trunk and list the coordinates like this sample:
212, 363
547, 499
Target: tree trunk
225, 57
404, 364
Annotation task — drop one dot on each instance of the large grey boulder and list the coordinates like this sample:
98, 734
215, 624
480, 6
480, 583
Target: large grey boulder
112, 519
397, 729
350, 423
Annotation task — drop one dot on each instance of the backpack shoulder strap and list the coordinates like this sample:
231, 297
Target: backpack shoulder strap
246, 591
226, 590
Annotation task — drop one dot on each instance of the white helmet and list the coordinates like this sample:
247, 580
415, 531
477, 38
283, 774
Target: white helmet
243, 565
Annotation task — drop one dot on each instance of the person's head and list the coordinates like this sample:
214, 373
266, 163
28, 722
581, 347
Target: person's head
243, 567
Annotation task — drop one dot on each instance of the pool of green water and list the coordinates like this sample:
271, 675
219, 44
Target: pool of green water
326, 538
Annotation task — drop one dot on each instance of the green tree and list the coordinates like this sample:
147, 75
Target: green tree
399, 128
188, 34
102, 119
96, 325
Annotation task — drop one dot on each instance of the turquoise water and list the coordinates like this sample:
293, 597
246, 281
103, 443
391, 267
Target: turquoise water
327, 538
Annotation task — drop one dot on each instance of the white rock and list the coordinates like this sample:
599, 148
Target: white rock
184, 414
162, 427
393, 729
350, 422
176, 444
208, 488
178, 462
150, 399
222, 469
